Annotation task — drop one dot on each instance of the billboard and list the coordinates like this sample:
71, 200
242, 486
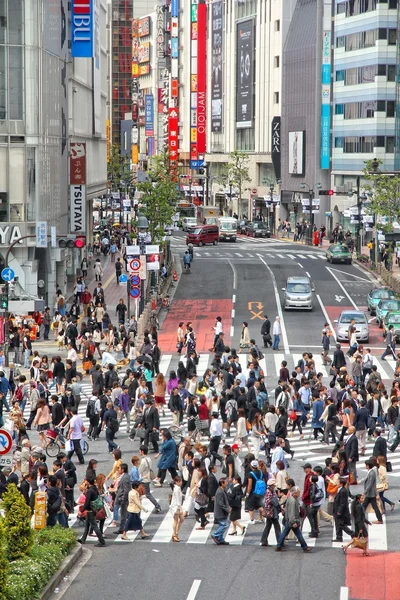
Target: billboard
173, 129
144, 52
296, 152
276, 146
326, 102
82, 24
201, 78
216, 86
144, 27
77, 188
244, 73
149, 114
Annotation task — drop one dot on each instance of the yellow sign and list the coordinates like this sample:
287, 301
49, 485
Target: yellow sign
135, 154
256, 315
108, 139
193, 134
135, 69
39, 514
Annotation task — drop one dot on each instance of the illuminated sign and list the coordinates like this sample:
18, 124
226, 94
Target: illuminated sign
82, 29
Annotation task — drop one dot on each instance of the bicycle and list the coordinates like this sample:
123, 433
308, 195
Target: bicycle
56, 443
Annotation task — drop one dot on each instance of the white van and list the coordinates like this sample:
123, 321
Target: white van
227, 229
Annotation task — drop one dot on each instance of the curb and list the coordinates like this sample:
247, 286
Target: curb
57, 578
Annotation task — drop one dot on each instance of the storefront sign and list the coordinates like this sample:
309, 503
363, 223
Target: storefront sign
144, 27
77, 163
149, 114
78, 208
276, 146
40, 512
326, 102
82, 29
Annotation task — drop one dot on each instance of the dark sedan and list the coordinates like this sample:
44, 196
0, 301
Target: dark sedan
256, 229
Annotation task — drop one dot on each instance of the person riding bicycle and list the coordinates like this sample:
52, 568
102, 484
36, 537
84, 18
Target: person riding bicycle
187, 259
190, 250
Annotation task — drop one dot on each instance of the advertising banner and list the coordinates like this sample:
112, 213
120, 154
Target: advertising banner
82, 24
326, 102
173, 144
77, 163
276, 146
201, 78
216, 86
149, 114
296, 152
77, 188
244, 74
144, 27
144, 52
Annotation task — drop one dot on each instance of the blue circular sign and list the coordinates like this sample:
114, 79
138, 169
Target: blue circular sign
123, 278
135, 292
7, 274
135, 280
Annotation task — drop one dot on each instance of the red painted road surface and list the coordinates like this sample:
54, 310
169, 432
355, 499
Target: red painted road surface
374, 577
203, 314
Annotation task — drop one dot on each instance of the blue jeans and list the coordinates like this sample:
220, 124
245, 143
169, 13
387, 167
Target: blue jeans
221, 529
277, 339
27, 354
297, 532
132, 364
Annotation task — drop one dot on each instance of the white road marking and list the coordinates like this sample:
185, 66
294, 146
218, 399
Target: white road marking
326, 316
352, 275
194, 589
341, 286
278, 305
281, 256
234, 274
308, 274
164, 532
292, 256
232, 331
200, 537
234, 298
344, 593
233, 313
300, 265
301, 256
377, 539
278, 361
240, 255
312, 256
339, 298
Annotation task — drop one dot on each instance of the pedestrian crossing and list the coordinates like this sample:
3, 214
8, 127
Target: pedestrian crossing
246, 254
159, 528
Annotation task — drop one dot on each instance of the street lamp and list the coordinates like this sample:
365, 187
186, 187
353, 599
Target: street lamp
310, 189
271, 207
360, 199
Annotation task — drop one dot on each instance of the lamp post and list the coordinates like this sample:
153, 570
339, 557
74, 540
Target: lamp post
271, 207
360, 199
310, 189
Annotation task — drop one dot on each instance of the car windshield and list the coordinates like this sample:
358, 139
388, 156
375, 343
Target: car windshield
259, 225
298, 288
339, 249
227, 226
389, 305
350, 316
197, 231
191, 221
382, 294
394, 318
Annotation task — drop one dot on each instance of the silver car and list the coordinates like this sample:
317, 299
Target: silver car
298, 293
360, 323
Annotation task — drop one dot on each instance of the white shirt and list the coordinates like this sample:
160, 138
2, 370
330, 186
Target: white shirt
276, 330
215, 428
72, 355
218, 328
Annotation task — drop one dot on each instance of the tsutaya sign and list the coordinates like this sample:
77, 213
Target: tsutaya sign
10, 234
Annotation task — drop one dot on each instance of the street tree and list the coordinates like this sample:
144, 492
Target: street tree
118, 169
383, 192
159, 197
236, 173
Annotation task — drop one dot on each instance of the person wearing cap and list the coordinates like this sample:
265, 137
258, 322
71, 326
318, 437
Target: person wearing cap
254, 502
272, 509
292, 521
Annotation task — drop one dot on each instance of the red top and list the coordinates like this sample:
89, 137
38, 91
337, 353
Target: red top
203, 412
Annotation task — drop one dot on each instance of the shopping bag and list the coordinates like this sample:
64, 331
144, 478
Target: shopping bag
69, 446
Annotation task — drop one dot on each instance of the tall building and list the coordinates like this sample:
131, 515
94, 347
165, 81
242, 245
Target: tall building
364, 90
44, 96
245, 41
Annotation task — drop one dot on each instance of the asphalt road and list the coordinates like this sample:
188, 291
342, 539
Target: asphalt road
251, 274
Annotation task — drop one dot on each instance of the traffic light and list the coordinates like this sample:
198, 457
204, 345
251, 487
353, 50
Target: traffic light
326, 192
72, 242
4, 301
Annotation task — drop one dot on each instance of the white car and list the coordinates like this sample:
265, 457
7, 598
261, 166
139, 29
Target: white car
189, 223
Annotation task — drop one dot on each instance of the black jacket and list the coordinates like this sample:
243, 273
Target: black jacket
281, 426
151, 418
380, 448
53, 500
190, 367
266, 327
351, 448
212, 485
91, 495
219, 346
392, 414
341, 509
57, 413
361, 419
339, 359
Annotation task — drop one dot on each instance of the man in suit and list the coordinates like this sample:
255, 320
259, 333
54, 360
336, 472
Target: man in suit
351, 450
121, 497
265, 332
380, 448
221, 513
70, 479
339, 359
361, 425
151, 421
341, 511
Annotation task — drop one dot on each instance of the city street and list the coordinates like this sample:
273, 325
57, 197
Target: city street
242, 282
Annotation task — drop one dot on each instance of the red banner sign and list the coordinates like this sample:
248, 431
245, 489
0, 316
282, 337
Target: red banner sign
77, 164
201, 77
173, 132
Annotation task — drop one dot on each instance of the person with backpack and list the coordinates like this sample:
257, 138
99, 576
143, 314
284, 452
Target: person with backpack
93, 410
110, 377
231, 410
317, 495
111, 425
255, 492
272, 508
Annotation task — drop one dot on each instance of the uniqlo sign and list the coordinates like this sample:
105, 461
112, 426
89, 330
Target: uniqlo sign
173, 131
82, 18
77, 164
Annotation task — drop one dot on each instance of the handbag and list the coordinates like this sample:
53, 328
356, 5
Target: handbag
293, 415
97, 504
201, 499
389, 467
101, 514
69, 446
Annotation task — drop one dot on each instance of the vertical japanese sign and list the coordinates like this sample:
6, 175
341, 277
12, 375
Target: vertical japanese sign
201, 77
40, 512
41, 234
244, 74
216, 86
173, 144
77, 180
195, 161
326, 101
149, 114
135, 95
108, 139
173, 114
82, 25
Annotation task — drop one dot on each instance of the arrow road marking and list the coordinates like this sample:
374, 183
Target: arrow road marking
256, 315
339, 298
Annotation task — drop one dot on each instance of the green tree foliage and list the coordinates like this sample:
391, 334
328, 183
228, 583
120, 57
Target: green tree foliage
4, 570
17, 523
384, 194
118, 169
159, 197
236, 173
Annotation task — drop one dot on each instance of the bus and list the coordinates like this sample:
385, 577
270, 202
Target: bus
186, 209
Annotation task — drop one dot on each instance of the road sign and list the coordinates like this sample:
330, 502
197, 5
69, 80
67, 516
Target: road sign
134, 264
135, 292
135, 280
123, 278
254, 191
7, 274
5, 448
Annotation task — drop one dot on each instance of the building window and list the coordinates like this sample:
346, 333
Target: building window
390, 108
339, 109
277, 25
392, 37
276, 62
340, 75
391, 72
276, 97
339, 142
351, 76
11, 60
393, 4
341, 8
245, 140
390, 144
340, 41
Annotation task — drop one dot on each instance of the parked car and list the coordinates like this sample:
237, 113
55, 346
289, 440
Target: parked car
384, 307
241, 227
392, 318
378, 294
298, 293
189, 223
256, 229
338, 253
203, 234
361, 325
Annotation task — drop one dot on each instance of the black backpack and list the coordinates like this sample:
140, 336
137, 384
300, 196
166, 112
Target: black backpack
90, 409
113, 425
